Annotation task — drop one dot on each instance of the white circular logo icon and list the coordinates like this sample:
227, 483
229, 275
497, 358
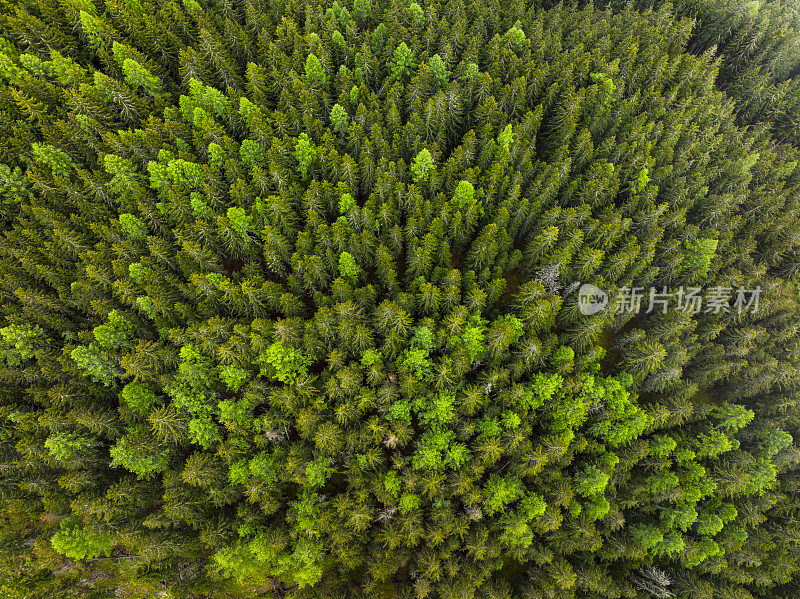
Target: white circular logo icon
591, 299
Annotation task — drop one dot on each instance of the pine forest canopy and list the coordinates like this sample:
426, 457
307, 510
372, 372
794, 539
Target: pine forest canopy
289, 299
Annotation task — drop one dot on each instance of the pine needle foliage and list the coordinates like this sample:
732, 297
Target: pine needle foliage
289, 309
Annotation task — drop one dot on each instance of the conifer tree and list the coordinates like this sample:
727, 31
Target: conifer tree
293, 299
